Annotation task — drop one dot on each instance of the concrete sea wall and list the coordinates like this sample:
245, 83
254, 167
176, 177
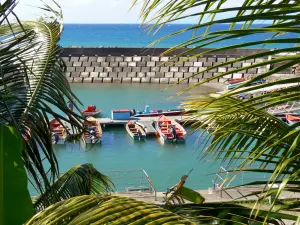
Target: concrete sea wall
137, 65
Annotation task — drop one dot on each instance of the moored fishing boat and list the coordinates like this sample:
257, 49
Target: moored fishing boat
58, 132
169, 130
135, 131
154, 113
234, 85
235, 80
292, 119
91, 111
94, 129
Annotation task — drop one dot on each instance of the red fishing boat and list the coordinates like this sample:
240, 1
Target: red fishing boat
235, 80
291, 119
58, 131
169, 130
91, 111
94, 129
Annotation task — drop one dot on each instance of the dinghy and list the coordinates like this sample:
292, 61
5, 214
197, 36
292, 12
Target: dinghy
291, 119
94, 129
235, 80
91, 111
135, 131
169, 130
58, 131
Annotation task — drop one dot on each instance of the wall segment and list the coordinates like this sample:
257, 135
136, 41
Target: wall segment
137, 65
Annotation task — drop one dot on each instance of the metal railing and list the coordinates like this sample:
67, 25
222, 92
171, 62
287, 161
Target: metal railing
224, 178
131, 181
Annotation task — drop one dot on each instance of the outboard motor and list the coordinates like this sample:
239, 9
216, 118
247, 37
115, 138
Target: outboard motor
140, 135
56, 138
132, 112
174, 132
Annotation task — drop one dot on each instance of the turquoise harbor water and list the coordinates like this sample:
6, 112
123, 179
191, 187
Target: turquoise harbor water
165, 164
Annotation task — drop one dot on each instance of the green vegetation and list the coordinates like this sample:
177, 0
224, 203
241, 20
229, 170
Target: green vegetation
14, 195
32, 80
243, 133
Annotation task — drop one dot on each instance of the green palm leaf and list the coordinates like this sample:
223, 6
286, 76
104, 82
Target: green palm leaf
32, 84
228, 213
253, 141
241, 132
105, 209
79, 180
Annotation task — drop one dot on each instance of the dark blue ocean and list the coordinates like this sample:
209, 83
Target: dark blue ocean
133, 35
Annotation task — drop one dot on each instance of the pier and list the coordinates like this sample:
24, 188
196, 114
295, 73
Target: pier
148, 127
146, 122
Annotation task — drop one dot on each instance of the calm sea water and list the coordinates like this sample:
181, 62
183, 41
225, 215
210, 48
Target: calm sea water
165, 164
133, 35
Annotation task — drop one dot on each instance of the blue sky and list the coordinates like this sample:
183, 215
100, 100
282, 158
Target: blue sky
91, 11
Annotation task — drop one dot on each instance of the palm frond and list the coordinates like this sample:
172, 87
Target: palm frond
280, 18
32, 87
105, 209
241, 132
79, 180
251, 140
228, 213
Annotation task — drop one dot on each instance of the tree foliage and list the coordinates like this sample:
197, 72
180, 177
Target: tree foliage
241, 132
32, 85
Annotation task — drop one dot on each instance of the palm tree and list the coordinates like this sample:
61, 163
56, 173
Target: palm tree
32, 85
235, 124
243, 132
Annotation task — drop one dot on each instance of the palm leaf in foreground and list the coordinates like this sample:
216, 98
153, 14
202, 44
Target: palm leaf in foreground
253, 141
32, 83
79, 180
228, 213
280, 18
242, 132
105, 209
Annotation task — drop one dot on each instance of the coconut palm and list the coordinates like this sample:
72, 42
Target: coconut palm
107, 209
242, 132
32, 84
240, 129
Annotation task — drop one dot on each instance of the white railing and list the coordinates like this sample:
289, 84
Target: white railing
224, 178
131, 181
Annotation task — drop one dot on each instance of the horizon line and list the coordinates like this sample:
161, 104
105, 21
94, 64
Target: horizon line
146, 24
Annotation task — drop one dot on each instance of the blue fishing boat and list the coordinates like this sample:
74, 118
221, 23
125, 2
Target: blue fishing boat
231, 86
164, 112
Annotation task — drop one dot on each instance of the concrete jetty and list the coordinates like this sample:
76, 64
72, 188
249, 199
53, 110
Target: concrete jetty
147, 121
148, 127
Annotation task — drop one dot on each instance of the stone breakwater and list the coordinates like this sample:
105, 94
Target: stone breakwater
137, 65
